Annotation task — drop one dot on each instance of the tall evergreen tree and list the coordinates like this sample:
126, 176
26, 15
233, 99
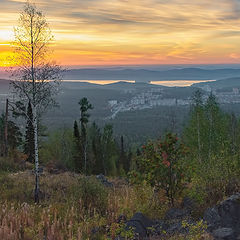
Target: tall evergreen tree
77, 148
123, 161
14, 135
97, 149
109, 150
85, 106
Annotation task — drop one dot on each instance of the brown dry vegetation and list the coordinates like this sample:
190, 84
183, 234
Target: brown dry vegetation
69, 210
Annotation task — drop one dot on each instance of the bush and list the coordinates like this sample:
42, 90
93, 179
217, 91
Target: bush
92, 195
161, 165
15, 162
58, 150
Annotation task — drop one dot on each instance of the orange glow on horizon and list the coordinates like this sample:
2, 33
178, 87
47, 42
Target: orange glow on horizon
136, 32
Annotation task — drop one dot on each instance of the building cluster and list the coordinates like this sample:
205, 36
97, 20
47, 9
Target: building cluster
143, 100
154, 97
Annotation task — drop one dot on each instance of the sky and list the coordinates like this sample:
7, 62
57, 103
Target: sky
133, 32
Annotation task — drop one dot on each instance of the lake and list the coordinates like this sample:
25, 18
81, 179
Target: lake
172, 83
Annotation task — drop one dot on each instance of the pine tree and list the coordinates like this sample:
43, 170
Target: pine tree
85, 106
97, 165
123, 157
76, 133
110, 155
14, 135
77, 148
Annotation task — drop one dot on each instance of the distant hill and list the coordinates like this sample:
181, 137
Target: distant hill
4, 85
143, 75
222, 83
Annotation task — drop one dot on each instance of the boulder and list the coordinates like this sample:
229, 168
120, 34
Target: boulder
176, 213
224, 234
104, 180
140, 224
212, 218
224, 219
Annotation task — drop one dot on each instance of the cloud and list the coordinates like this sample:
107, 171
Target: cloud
135, 29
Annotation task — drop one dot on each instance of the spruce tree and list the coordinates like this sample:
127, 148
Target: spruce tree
77, 148
85, 106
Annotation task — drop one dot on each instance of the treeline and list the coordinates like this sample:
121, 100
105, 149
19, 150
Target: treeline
211, 140
203, 164
86, 148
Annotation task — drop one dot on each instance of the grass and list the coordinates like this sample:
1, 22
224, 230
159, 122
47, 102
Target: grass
75, 207
72, 206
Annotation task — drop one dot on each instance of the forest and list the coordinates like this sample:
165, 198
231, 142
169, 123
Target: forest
201, 163
84, 183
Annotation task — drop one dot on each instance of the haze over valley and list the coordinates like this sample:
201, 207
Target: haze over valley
134, 101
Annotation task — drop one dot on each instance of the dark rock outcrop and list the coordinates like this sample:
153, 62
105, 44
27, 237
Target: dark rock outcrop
101, 178
224, 219
140, 224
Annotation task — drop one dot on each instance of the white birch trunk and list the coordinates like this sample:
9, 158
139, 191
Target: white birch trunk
35, 128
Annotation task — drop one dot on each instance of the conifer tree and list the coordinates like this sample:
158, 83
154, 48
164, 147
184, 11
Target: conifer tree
97, 150
77, 148
14, 135
109, 150
85, 106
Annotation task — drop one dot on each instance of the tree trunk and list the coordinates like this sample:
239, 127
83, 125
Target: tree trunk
6, 131
35, 128
199, 143
85, 158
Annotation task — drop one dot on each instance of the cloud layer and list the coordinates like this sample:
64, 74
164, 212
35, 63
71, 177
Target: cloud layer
135, 31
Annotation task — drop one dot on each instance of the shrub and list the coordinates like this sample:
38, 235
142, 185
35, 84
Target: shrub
58, 149
161, 165
92, 195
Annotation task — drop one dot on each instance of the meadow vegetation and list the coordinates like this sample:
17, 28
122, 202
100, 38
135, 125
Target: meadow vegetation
202, 164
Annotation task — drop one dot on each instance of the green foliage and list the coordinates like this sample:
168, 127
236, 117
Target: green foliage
207, 130
196, 230
14, 135
120, 230
161, 165
58, 149
212, 137
10, 163
91, 194
103, 153
77, 148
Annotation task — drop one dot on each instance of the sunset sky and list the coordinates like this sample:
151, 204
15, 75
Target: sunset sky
112, 32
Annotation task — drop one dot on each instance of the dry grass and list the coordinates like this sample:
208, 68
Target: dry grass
67, 212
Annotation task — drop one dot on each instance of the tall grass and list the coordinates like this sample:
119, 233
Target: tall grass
72, 207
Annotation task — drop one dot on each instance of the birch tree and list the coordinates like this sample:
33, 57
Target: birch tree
36, 78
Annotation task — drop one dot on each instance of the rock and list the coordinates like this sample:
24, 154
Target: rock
122, 219
212, 218
224, 219
175, 228
188, 204
224, 234
176, 213
140, 224
229, 211
159, 227
104, 180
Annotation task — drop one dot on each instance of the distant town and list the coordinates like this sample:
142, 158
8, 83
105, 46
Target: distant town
155, 97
